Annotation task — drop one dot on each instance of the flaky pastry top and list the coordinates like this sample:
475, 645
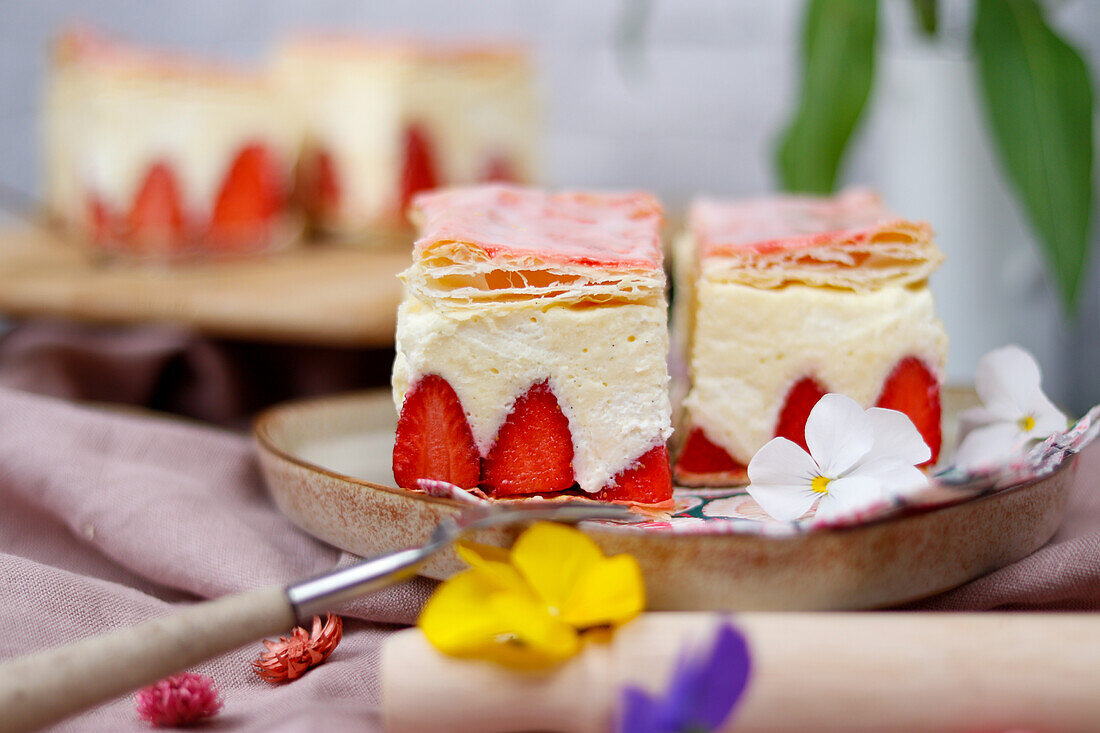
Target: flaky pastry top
847, 241
506, 246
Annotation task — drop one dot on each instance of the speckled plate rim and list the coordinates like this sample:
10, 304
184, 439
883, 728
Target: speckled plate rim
873, 564
950, 496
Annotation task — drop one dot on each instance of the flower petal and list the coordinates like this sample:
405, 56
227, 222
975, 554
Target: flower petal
639, 713
552, 557
782, 462
1048, 418
1006, 378
492, 563
897, 477
972, 419
714, 683
540, 639
785, 503
849, 495
456, 619
838, 434
989, 446
895, 436
468, 616
475, 553
610, 591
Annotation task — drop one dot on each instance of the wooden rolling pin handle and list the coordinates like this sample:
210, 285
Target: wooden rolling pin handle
822, 672
48, 686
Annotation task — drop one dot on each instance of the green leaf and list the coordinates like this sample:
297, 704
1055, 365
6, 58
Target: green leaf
927, 16
838, 60
1038, 98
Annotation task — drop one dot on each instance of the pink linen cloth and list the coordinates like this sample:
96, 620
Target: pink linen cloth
108, 518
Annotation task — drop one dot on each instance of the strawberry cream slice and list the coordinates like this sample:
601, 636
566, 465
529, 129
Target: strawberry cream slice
545, 315
788, 298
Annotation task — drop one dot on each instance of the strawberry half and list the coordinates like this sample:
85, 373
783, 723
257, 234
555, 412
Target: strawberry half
911, 388
700, 455
648, 481
419, 173
499, 170
155, 222
533, 452
433, 438
792, 418
250, 197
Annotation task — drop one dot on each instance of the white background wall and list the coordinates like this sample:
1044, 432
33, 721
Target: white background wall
699, 112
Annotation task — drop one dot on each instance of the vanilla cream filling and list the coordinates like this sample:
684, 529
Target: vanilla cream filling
357, 108
106, 128
606, 365
751, 345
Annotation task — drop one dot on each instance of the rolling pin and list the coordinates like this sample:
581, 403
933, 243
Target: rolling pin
847, 672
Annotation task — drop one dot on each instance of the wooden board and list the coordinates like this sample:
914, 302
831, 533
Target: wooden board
314, 294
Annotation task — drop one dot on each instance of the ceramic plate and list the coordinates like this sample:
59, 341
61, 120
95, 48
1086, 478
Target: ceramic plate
327, 464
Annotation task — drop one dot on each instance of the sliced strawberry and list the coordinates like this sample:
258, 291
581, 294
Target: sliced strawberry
155, 222
499, 170
648, 481
913, 389
419, 173
704, 463
533, 452
792, 418
433, 438
318, 187
700, 455
250, 197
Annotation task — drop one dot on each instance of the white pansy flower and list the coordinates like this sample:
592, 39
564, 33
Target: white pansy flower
1014, 410
857, 458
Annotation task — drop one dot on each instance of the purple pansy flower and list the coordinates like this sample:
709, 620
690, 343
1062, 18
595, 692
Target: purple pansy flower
704, 691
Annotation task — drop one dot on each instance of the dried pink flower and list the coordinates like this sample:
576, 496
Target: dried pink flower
178, 700
290, 656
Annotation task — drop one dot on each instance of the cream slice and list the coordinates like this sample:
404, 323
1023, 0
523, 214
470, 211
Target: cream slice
752, 345
510, 286
777, 290
356, 96
111, 111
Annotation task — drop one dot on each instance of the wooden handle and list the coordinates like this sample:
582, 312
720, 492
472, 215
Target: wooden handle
811, 671
48, 686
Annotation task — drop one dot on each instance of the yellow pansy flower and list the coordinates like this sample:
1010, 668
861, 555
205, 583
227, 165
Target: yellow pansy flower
527, 607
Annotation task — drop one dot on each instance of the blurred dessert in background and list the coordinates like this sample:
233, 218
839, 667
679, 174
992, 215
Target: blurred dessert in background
382, 119
783, 299
159, 155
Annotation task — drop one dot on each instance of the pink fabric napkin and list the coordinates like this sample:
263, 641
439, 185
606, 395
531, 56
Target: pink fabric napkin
108, 518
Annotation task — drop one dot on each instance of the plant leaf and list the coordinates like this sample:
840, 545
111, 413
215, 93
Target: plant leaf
927, 16
1038, 98
838, 59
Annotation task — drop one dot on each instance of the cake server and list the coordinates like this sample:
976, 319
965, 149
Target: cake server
45, 687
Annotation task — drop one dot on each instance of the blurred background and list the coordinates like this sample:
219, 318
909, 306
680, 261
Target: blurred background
691, 97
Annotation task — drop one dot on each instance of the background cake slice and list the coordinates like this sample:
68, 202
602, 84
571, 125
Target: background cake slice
148, 153
785, 299
532, 343
383, 119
